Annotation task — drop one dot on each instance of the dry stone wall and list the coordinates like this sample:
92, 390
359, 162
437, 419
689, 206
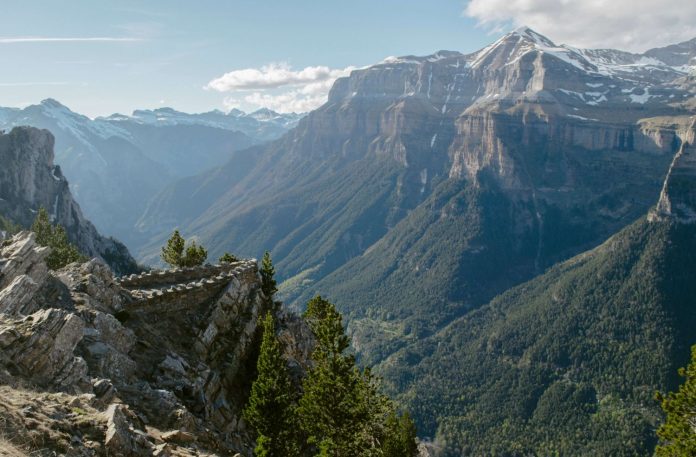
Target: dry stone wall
176, 288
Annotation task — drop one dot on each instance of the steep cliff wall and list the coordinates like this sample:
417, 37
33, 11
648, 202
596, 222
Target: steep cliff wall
30, 180
678, 196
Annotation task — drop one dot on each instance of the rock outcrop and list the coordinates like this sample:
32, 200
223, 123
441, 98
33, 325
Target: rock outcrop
153, 364
678, 197
30, 180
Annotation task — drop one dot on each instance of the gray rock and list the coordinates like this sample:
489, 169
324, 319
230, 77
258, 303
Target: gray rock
31, 180
124, 433
678, 197
22, 272
43, 349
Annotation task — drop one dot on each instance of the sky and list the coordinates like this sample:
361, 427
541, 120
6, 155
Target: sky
103, 57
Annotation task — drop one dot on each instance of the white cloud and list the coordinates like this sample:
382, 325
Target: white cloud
7, 40
278, 87
633, 25
273, 76
288, 102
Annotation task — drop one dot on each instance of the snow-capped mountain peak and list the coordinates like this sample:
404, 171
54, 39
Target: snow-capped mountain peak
529, 34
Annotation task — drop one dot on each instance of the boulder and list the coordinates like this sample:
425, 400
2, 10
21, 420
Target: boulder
124, 433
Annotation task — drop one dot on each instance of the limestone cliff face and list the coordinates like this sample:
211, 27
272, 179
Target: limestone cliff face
501, 141
678, 197
152, 362
30, 180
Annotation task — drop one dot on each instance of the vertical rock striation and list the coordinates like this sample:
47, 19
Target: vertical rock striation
678, 197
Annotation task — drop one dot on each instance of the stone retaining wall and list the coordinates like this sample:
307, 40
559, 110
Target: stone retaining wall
174, 289
160, 278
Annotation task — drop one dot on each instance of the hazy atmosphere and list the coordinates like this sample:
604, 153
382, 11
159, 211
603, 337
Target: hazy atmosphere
348, 229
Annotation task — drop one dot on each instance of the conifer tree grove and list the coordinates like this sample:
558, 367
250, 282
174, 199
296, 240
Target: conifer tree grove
195, 255
54, 236
176, 254
400, 436
270, 407
341, 410
228, 258
678, 433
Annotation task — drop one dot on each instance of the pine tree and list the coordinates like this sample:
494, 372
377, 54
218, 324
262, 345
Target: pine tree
400, 439
55, 237
678, 433
228, 258
176, 254
268, 282
195, 255
42, 227
173, 252
341, 410
270, 407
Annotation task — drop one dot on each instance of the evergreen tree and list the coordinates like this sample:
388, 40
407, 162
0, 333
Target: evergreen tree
176, 254
9, 227
269, 410
42, 227
400, 439
678, 433
228, 258
341, 410
268, 282
195, 255
55, 237
173, 252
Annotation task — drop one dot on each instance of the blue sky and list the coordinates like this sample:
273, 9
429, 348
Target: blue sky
102, 57
183, 45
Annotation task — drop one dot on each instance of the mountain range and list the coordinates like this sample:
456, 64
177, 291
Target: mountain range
428, 186
421, 176
115, 164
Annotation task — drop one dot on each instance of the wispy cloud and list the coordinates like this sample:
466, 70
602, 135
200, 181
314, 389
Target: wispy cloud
278, 87
12, 40
38, 83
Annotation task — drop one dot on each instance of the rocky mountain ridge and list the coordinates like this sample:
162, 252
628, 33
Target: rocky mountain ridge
558, 139
678, 196
260, 125
29, 180
123, 371
116, 164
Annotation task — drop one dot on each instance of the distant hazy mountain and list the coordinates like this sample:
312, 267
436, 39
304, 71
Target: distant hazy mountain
261, 125
116, 164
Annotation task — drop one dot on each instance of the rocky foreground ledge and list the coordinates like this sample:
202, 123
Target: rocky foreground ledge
94, 366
